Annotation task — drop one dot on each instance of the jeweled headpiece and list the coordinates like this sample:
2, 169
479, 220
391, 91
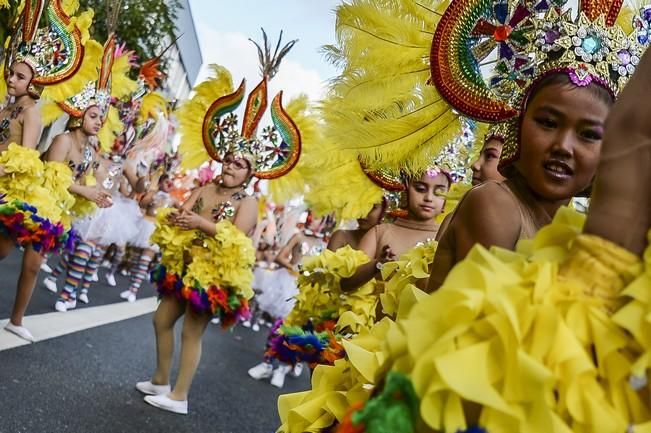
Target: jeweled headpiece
272, 153
498, 131
95, 93
48, 42
487, 55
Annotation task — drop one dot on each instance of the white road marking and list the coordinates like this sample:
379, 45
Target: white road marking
55, 324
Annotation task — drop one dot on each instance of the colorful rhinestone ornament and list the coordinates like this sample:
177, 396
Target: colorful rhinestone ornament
487, 55
272, 153
52, 51
95, 93
6, 123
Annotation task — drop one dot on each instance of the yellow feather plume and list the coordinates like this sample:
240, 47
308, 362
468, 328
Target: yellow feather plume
382, 105
190, 116
83, 23
111, 129
152, 104
121, 84
70, 6
293, 184
336, 182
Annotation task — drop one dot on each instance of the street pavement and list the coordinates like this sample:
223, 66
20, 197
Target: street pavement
84, 382
43, 300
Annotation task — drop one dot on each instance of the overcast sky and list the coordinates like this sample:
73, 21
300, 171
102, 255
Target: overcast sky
224, 28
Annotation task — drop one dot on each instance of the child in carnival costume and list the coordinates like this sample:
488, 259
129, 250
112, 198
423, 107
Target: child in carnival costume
93, 123
207, 257
44, 59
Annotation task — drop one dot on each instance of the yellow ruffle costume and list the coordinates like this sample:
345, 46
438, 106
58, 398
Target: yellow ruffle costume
214, 274
544, 339
312, 330
35, 200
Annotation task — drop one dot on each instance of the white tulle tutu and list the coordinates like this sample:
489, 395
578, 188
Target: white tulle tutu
112, 225
278, 289
141, 239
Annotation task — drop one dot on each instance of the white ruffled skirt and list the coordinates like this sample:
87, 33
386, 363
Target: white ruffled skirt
278, 289
117, 224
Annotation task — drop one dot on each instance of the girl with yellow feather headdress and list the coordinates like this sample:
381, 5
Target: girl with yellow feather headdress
207, 258
44, 53
551, 338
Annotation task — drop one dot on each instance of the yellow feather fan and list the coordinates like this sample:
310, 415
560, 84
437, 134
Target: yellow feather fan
152, 104
383, 106
336, 181
112, 127
4, 4
190, 116
292, 185
121, 84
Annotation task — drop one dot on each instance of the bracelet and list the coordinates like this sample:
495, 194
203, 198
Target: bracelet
379, 265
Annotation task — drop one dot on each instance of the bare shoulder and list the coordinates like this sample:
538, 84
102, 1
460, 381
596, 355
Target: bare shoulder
339, 239
32, 112
249, 201
489, 202
60, 146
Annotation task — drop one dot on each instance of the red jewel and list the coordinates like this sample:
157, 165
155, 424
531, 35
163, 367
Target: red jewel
502, 33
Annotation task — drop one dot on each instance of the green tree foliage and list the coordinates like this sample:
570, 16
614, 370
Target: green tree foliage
7, 16
142, 24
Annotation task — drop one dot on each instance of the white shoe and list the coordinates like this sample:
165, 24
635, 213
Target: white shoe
278, 378
46, 268
215, 321
20, 331
131, 297
84, 298
297, 370
149, 388
63, 306
110, 279
246, 324
261, 371
166, 403
255, 327
124, 273
94, 278
125, 295
51, 285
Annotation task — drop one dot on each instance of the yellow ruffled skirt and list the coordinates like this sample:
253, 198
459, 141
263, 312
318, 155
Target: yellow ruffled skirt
214, 274
34, 200
310, 332
554, 337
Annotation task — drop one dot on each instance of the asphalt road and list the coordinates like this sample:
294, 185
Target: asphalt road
43, 300
84, 382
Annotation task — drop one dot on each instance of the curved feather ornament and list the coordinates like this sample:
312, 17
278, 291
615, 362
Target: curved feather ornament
289, 148
293, 184
382, 103
192, 147
152, 104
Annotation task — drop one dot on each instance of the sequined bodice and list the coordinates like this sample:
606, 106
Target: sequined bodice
11, 130
223, 210
81, 169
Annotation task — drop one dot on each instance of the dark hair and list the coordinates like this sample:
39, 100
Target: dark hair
563, 79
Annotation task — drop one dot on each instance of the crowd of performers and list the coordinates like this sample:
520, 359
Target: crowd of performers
475, 290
